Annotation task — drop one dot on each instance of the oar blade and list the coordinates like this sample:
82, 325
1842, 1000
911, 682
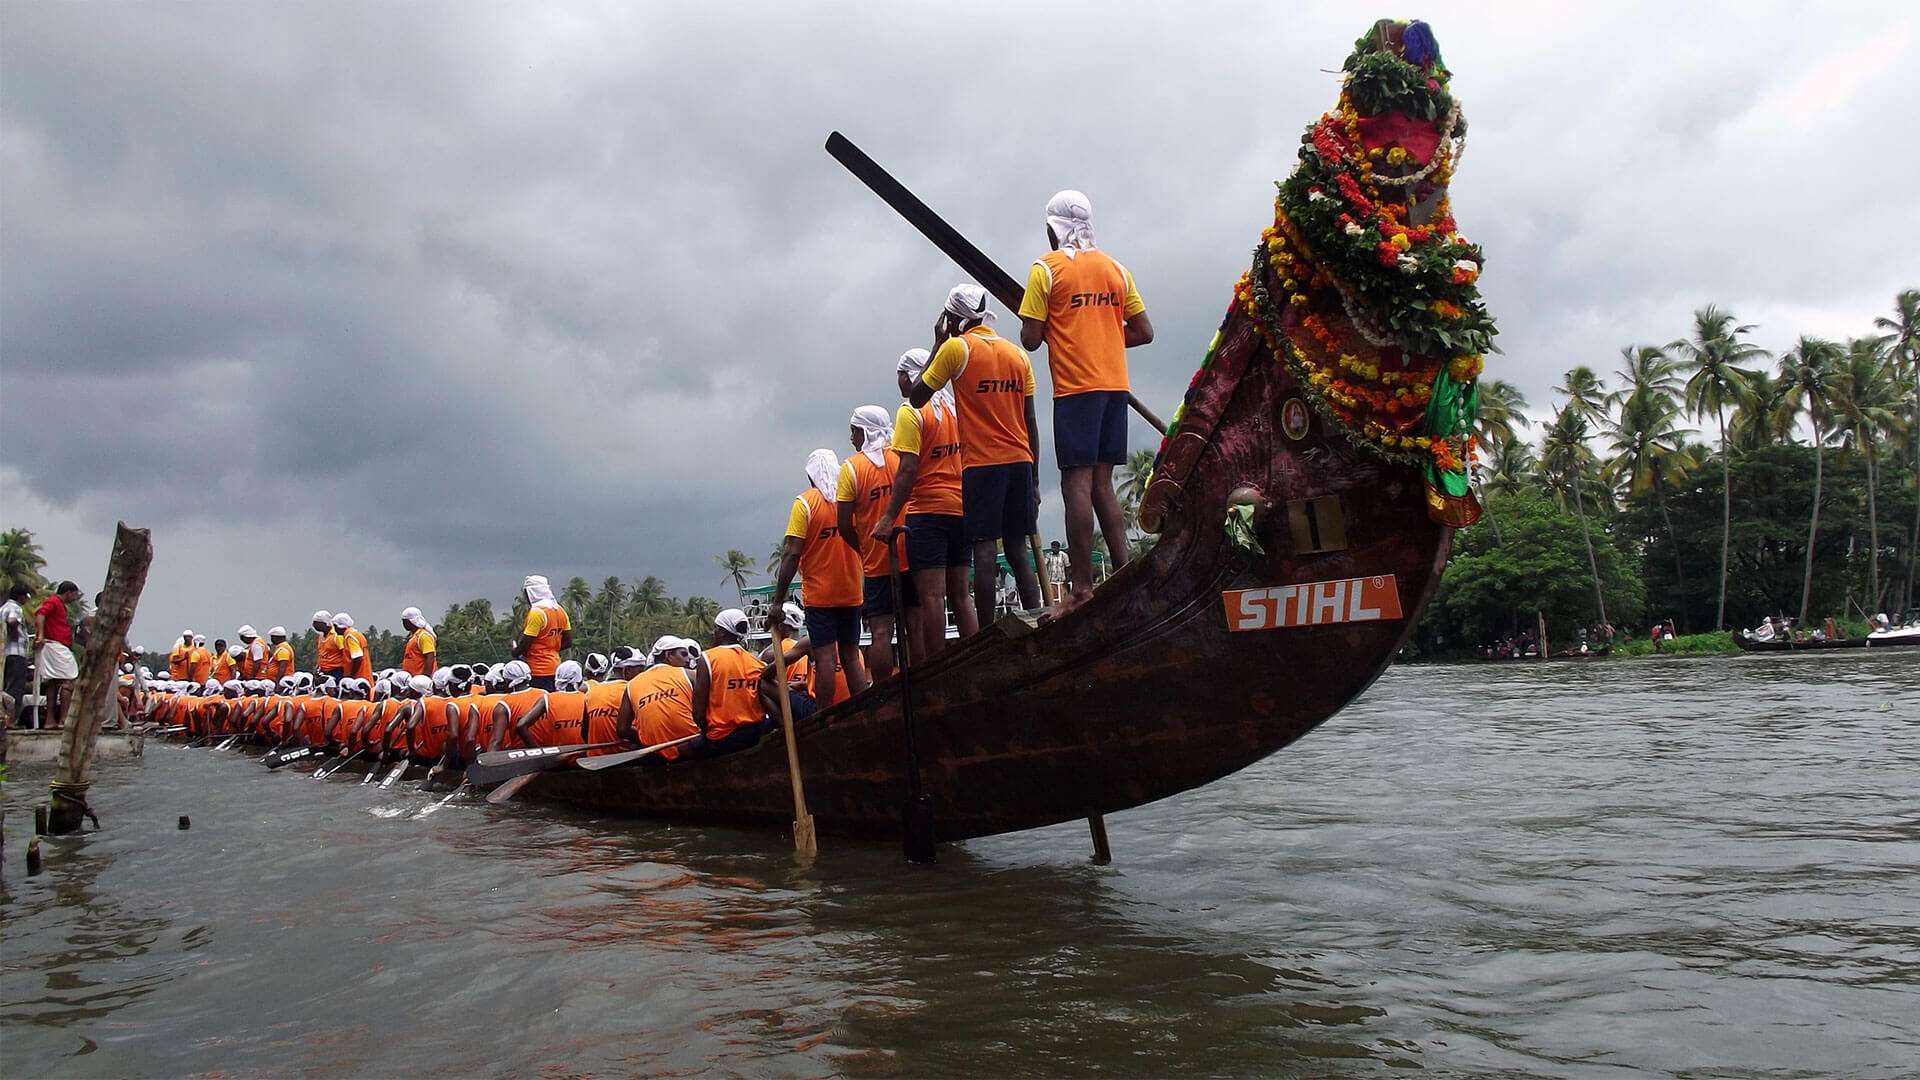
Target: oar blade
511, 788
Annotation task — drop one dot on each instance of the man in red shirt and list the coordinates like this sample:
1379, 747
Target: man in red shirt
57, 666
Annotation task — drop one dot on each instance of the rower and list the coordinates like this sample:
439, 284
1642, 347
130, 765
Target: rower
558, 719
1083, 306
547, 632
739, 709
789, 635
253, 654
627, 662
927, 489
666, 702
999, 439
180, 657
519, 700
829, 570
280, 659
329, 657
353, 646
199, 661
226, 661
596, 669
421, 655
862, 492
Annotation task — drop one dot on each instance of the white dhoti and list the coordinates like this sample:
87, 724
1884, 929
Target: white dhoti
56, 662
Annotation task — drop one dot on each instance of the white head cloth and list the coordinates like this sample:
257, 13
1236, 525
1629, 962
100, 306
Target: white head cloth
342, 621
538, 591
200, 640
248, 632
876, 429
278, 631
1070, 216
969, 302
422, 684
323, 616
915, 361
823, 468
418, 619
733, 621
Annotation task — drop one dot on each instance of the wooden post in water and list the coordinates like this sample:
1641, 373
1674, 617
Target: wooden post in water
94, 697
1540, 618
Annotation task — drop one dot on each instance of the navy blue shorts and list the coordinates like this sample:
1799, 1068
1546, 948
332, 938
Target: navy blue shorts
1090, 429
937, 540
999, 503
832, 625
879, 595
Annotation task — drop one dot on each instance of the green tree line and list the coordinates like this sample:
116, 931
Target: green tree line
1705, 481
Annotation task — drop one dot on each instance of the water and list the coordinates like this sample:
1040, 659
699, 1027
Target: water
1683, 866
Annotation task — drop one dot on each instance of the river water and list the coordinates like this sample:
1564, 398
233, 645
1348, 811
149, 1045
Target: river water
1701, 866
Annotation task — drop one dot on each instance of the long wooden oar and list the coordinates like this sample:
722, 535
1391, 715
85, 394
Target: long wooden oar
608, 761
803, 838
394, 776
509, 789
945, 237
277, 758
916, 818
322, 774
507, 764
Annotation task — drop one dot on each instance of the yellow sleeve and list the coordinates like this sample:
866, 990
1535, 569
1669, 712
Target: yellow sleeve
844, 490
427, 643
947, 364
536, 623
906, 430
799, 520
1135, 305
1033, 304
1029, 366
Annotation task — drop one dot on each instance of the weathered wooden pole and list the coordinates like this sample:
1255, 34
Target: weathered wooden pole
94, 696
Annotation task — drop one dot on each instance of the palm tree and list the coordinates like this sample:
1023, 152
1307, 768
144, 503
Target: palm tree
613, 594
1584, 394
1502, 406
1904, 328
1647, 440
1760, 421
773, 560
737, 566
1715, 380
697, 613
1865, 405
1134, 477
20, 561
648, 598
577, 595
1810, 377
1564, 457
1510, 468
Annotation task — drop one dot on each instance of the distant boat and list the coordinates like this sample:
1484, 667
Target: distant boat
1752, 644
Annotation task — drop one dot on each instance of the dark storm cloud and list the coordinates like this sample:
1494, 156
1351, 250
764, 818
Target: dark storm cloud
390, 304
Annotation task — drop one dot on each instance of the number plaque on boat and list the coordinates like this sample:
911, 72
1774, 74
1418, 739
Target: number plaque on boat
1313, 603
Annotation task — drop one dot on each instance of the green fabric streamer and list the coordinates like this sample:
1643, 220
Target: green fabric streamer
1240, 530
1450, 413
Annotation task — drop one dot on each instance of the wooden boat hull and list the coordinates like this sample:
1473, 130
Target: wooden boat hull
1142, 693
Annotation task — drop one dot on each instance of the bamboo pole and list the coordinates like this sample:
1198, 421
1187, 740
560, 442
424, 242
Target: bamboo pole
94, 695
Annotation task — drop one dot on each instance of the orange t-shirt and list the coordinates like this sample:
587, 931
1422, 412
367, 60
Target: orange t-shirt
662, 700
329, 652
992, 380
177, 662
279, 662
376, 733
934, 435
517, 703
315, 714
562, 723
735, 696
829, 569
225, 668
351, 713
420, 645
430, 727
868, 487
546, 621
476, 719
360, 667
1089, 298
603, 714
199, 666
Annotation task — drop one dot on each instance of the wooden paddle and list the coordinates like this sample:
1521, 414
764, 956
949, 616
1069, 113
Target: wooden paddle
322, 774
916, 817
496, 765
608, 761
803, 838
945, 237
398, 771
277, 758
511, 788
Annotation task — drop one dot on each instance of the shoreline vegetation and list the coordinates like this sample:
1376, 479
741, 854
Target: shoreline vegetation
1704, 482
1711, 643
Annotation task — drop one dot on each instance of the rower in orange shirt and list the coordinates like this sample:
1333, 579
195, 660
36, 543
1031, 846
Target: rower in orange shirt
199, 661
498, 724
1083, 305
177, 660
927, 489
547, 632
739, 708
279, 655
353, 646
329, 659
861, 494
789, 635
226, 662
560, 719
999, 439
421, 656
662, 706
829, 570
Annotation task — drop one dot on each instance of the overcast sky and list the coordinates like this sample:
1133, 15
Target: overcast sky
368, 305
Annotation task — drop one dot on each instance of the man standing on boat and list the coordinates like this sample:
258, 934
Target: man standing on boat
926, 487
178, 659
329, 659
253, 653
546, 633
354, 648
999, 439
279, 655
57, 666
864, 489
199, 661
1083, 306
830, 572
421, 656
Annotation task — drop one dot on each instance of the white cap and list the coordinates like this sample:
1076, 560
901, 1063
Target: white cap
342, 621
733, 621
422, 685
277, 631
412, 613
248, 631
323, 616
664, 644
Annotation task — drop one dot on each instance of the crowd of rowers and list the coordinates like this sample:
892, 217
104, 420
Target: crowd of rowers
694, 702
930, 496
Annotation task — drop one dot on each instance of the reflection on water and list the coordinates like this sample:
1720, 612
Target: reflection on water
1678, 865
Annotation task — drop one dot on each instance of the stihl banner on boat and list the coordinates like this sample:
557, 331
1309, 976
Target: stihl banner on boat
1314, 603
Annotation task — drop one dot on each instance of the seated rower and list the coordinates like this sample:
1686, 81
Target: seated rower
559, 718
519, 700
739, 709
